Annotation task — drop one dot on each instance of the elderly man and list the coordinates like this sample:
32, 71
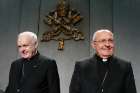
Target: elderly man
32, 73
103, 73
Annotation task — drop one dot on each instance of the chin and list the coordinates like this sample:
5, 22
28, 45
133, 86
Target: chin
26, 57
107, 56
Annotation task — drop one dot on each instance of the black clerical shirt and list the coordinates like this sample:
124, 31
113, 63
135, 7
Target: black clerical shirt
103, 71
103, 66
27, 67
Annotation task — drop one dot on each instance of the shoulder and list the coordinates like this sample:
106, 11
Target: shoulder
124, 64
85, 62
46, 60
122, 61
17, 61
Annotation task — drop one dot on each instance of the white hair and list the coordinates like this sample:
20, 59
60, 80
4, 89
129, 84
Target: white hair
100, 30
32, 35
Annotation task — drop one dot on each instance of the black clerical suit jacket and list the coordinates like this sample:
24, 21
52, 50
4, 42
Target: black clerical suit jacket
41, 77
119, 78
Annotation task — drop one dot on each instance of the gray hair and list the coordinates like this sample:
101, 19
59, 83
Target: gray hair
100, 30
30, 34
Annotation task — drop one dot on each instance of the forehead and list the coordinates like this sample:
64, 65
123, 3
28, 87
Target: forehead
24, 39
104, 35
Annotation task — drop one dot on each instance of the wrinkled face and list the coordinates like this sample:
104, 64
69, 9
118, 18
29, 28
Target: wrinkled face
26, 46
104, 44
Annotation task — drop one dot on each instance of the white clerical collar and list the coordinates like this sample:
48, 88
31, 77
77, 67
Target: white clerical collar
104, 59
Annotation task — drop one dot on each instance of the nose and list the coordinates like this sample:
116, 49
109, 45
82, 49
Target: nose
21, 49
107, 44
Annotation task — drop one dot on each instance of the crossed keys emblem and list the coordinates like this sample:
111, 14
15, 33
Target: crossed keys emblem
63, 22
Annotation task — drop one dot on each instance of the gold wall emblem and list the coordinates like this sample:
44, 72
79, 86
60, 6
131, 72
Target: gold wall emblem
63, 23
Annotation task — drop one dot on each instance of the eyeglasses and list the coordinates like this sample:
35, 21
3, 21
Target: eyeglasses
105, 41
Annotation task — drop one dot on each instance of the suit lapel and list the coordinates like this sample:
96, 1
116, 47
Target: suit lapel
30, 71
95, 71
112, 75
113, 72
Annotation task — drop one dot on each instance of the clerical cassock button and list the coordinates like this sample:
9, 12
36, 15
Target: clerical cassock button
18, 90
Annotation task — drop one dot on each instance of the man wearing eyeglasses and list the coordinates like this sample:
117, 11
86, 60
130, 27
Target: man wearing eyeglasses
103, 73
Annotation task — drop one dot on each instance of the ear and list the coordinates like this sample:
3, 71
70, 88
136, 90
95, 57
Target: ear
36, 45
93, 44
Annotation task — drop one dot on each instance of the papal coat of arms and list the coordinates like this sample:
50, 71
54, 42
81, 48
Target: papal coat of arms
63, 23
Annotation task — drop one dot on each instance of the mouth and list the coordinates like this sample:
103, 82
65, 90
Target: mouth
107, 48
24, 52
